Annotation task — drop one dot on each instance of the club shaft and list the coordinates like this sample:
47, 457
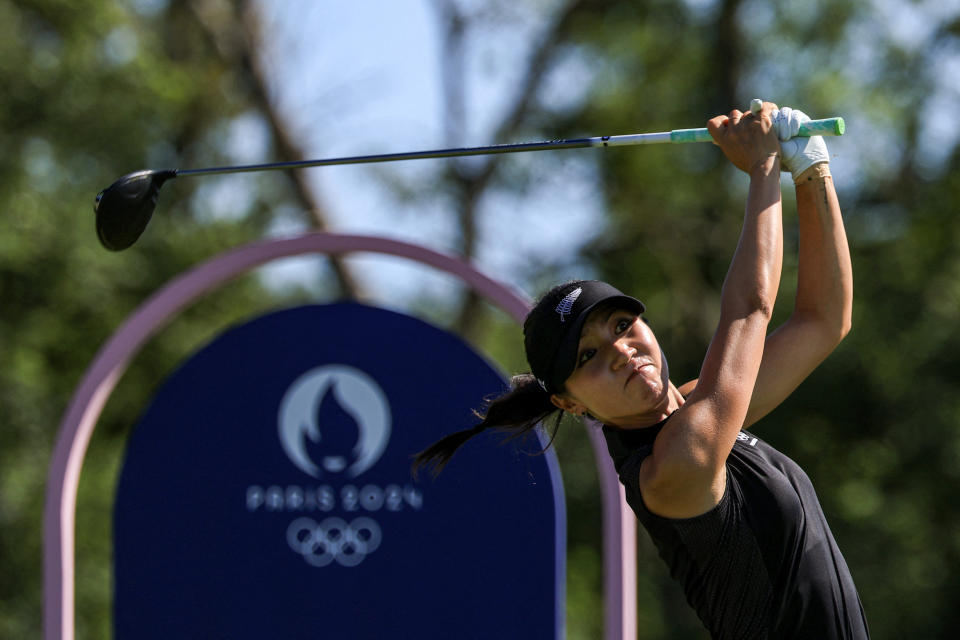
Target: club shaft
828, 126
408, 155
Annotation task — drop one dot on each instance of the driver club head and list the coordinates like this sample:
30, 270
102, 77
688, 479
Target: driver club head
124, 208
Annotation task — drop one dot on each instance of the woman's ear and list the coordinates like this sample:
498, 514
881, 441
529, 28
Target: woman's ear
565, 403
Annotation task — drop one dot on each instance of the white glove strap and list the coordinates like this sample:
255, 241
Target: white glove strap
799, 154
816, 172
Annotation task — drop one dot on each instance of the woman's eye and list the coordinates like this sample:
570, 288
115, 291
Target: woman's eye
586, 355
623, 324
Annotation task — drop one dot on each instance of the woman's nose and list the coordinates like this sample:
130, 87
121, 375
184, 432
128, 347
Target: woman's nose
623, 354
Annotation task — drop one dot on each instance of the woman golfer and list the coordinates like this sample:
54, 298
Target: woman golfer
737, 522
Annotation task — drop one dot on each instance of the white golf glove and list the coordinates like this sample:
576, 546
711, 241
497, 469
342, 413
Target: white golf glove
797, 154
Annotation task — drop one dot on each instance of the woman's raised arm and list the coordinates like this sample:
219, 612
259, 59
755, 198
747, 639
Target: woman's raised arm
684, 476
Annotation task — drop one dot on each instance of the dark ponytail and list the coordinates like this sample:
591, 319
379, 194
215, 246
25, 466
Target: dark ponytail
518, 411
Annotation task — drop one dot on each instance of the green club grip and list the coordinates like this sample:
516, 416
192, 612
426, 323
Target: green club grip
824, 127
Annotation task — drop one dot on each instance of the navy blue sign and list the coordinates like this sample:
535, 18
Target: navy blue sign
266, 492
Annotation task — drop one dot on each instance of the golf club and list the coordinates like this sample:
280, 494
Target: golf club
124, 208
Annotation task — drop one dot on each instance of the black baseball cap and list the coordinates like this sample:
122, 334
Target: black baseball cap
551, 332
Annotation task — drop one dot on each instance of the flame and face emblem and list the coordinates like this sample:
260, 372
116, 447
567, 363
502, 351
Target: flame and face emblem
357, 396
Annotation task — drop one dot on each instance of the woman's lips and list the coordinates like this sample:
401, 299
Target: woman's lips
637, 367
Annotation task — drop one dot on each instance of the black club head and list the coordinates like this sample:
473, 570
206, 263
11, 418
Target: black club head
124, 208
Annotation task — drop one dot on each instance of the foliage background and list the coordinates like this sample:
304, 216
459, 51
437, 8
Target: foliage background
95, 89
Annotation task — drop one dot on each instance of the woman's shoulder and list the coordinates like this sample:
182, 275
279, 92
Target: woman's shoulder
629, 445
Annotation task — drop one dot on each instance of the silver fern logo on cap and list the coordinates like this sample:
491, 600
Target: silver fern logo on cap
566, 305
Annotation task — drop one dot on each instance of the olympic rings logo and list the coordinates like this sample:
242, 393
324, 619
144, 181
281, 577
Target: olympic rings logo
334, 540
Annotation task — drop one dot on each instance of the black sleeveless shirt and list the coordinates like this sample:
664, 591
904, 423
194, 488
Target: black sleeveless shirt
762, 563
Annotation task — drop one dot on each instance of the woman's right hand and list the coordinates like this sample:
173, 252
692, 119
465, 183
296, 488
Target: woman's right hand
747, 139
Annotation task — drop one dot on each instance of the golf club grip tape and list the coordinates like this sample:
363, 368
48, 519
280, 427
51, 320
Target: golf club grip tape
825, 127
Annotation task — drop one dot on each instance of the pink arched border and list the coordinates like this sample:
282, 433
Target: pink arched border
103, 374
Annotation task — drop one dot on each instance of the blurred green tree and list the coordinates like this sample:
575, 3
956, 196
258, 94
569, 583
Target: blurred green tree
93, 90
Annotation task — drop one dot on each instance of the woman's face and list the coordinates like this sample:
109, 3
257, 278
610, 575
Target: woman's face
621, 377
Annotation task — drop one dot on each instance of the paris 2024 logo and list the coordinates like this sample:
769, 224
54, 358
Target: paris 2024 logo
334, 423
